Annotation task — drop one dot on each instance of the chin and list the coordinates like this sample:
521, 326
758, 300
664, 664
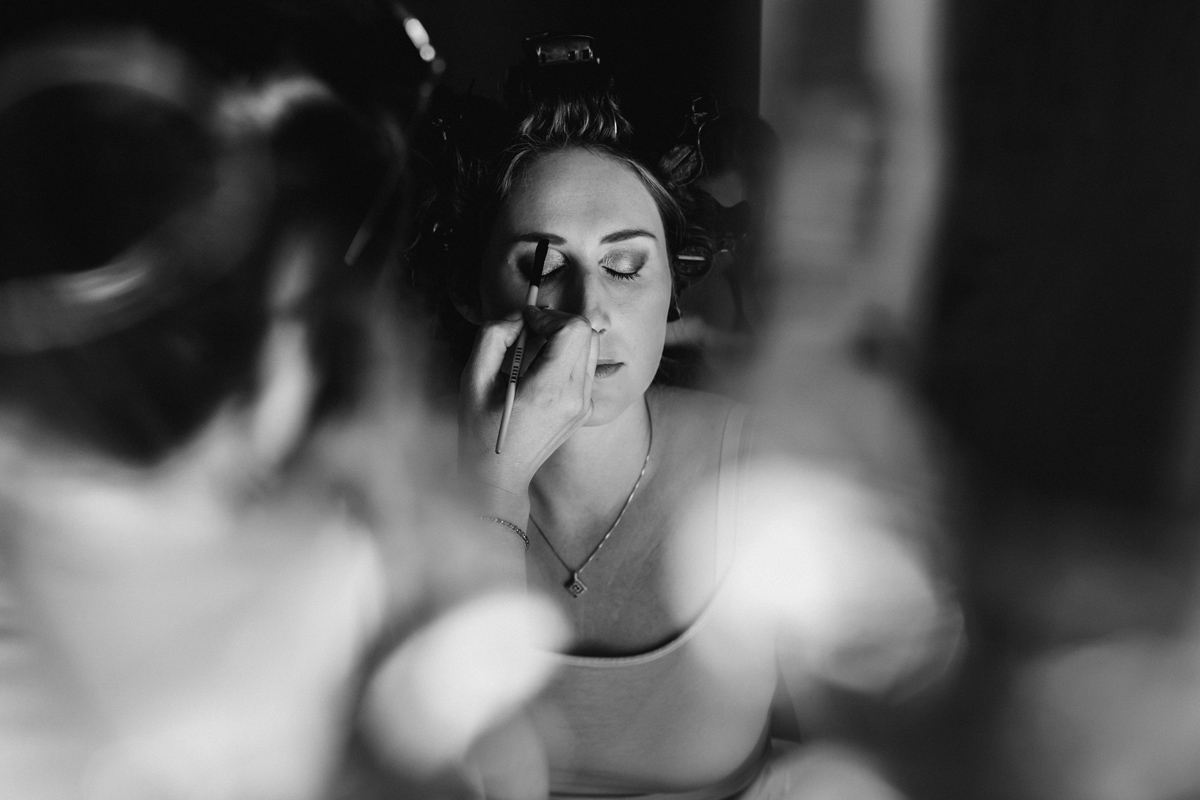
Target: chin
610, 401
604, 411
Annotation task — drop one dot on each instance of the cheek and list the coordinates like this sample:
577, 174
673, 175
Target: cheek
652, 320
656, 314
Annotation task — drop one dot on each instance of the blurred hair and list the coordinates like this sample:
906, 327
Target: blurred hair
736, 139
92, 173
85, 175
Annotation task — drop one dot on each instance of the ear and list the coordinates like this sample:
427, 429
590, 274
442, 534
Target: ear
673, 312
287, 378
280, 410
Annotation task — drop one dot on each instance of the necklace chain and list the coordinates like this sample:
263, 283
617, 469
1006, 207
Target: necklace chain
576, 586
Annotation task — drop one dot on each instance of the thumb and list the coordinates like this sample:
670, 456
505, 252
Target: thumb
487, 356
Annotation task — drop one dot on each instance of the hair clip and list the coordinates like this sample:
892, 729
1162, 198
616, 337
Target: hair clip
552, 49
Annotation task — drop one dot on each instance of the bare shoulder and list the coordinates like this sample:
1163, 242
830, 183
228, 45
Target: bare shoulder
691, 407
691, 421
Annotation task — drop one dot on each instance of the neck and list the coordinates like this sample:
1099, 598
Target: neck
591, 474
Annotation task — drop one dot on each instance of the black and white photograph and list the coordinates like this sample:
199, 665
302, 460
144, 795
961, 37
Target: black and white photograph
628, 400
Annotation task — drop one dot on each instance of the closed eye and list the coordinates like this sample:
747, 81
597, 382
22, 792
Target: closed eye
555, 261
623, 265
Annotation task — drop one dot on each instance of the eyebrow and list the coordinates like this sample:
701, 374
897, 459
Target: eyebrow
627, 233
535, 236
616, 236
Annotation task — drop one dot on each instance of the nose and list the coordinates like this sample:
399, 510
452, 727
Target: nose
587, 294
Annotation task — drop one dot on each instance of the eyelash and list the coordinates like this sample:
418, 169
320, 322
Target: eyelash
550, 277
635, 261
622, 276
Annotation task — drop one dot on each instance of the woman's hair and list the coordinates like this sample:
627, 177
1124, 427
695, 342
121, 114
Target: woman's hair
475, 152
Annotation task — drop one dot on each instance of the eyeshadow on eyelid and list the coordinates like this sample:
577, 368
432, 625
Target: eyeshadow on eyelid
624, 261
554, 260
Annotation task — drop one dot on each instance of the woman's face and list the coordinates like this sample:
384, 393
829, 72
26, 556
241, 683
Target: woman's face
607, 262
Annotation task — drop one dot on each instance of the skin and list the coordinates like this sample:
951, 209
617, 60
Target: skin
607, 263
580, 428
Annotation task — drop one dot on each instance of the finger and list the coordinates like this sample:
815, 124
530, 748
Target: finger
589, 375
546, 322
561, 362
487, 356
565, 334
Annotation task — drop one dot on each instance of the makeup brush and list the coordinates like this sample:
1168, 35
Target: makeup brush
539, 261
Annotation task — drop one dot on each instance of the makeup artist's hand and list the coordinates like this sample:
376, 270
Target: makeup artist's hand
554, 398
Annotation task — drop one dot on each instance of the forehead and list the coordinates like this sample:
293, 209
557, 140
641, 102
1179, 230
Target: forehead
577, 192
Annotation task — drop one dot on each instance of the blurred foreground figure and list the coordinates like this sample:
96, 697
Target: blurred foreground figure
1106, 667
851, 89
210, 494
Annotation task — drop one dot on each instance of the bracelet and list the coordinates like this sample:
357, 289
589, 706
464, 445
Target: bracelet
510, 526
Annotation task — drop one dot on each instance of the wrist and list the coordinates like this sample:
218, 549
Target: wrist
489, 500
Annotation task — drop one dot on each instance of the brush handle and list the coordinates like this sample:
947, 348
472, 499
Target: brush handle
510, 393
514, 371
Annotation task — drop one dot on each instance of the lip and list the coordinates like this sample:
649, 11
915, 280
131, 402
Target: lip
608, 369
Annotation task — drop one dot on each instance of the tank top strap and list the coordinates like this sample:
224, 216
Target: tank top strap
728, 487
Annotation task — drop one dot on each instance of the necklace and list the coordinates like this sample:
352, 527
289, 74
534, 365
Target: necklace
574, 585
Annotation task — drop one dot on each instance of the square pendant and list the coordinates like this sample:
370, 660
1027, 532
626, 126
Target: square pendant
575, 586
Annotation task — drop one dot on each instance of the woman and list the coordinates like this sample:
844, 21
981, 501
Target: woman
619, 496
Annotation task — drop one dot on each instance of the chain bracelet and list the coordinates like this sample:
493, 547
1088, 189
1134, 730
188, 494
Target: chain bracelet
510, 526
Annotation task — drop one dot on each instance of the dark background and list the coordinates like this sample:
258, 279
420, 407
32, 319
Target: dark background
1067, 260
659, 52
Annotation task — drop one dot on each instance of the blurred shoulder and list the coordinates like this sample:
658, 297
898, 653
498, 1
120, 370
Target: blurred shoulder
690, 402
691, 414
